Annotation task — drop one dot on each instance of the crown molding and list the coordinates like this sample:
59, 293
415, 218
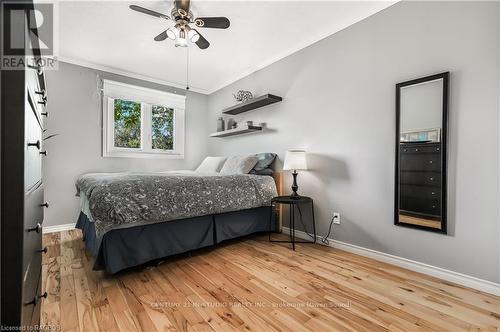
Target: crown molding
126, 73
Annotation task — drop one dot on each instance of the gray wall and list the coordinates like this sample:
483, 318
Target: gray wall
75, 113
339, 106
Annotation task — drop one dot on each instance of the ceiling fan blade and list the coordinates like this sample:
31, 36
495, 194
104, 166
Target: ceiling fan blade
212, 22
182, 4
202, 42
148, 12
162, 36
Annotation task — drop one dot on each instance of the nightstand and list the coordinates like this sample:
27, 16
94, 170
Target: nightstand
294, 203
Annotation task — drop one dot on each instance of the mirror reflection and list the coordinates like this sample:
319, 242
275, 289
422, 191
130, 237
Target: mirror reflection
420, 167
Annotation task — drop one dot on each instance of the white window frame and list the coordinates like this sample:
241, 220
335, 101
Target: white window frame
147, 97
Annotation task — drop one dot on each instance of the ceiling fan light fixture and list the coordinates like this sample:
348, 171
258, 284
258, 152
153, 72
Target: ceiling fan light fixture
181, 40
193, 36
182, 17
171, 33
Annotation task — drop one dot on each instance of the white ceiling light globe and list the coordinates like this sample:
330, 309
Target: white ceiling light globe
171, 33
181, 42
193, 36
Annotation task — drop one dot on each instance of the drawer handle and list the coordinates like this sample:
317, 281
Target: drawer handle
46, 114
431, 162
43, 102
43, 153
46, 204
37, 144
431, 178
37, 228
44, 250
36, 298
43, 93
38, 69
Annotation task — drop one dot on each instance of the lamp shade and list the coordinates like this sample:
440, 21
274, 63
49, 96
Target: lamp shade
295, 159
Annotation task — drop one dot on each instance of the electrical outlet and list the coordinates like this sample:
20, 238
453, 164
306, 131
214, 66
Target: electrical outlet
336, 218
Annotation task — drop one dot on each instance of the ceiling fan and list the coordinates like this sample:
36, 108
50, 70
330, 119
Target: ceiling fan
182, 16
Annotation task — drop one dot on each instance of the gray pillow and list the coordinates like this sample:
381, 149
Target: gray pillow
265, 160
238, 165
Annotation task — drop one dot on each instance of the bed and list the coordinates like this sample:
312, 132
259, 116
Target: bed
129, 219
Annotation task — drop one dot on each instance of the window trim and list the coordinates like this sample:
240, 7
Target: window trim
147, 97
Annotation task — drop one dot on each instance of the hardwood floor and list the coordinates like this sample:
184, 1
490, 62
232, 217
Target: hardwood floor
419, 221
257, 286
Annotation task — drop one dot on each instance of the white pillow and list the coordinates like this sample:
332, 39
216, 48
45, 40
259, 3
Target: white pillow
239, 165
211, 165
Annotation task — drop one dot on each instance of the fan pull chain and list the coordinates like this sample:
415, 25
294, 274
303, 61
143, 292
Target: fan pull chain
187, 68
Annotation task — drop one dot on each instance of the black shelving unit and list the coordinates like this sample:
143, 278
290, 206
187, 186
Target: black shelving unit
261, 101
236, 131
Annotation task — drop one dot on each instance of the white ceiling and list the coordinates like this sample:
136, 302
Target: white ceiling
109, 36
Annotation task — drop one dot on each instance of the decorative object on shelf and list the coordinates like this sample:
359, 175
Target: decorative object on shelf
220, 124
235, 125
295, 160
249, 123
229, 123
243, 96
237, 131
252, 104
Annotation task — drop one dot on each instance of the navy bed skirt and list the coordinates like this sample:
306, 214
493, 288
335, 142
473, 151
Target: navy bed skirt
127, 247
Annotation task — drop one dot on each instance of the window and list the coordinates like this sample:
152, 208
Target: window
162, 123
127, 124
142, 123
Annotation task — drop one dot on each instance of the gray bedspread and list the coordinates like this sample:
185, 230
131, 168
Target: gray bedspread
118, 200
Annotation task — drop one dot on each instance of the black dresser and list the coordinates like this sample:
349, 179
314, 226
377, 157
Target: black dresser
23, 93
420, 180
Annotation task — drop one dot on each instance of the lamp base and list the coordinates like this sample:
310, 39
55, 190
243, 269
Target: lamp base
295, 187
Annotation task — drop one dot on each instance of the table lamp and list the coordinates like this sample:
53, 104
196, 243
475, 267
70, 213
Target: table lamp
295, 160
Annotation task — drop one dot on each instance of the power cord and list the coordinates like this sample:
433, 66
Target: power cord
302, 222
323, 239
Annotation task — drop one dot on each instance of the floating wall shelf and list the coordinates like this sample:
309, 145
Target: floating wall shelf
252, 104
236, 131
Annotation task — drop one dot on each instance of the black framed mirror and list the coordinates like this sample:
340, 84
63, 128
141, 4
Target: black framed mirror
421, 145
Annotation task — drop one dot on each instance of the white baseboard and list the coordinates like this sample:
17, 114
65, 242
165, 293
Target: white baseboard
57, 228
434, 271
